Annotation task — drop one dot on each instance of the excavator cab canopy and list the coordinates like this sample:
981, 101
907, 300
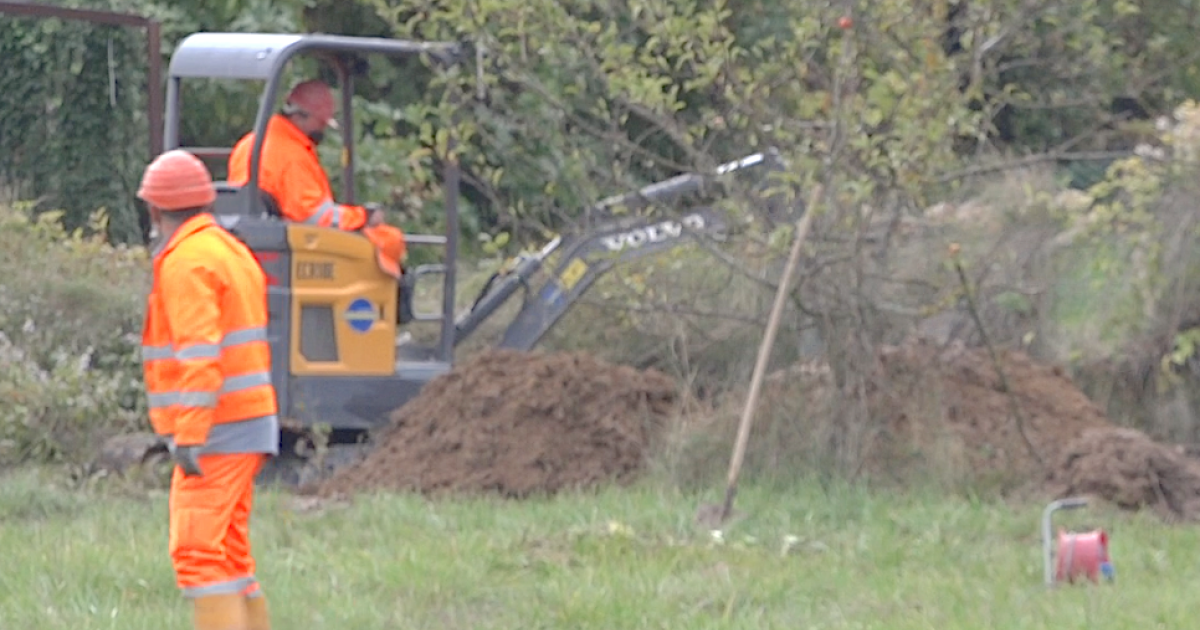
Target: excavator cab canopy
264, 57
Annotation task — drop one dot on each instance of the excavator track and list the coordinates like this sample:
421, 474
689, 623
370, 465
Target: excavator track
301, 463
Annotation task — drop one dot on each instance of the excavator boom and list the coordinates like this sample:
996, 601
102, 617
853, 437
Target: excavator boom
587, 258
622, 236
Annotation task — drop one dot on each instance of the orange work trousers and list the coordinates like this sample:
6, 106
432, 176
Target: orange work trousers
210, 525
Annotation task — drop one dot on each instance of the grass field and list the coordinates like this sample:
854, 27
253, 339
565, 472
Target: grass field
618, 559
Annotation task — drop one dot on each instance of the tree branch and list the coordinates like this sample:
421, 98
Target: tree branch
1032, 160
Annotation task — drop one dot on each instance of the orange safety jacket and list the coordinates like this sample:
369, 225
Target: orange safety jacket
290, 170
205, 358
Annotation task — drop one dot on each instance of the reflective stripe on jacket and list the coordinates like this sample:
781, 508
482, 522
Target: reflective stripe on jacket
206, 362
291, 172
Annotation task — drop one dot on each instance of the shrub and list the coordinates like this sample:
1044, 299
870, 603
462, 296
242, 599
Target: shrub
70, 319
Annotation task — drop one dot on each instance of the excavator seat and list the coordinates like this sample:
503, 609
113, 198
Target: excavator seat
229, 201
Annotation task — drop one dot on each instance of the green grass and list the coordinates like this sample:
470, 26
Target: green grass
860, 560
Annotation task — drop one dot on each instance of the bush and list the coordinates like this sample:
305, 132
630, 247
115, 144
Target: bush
70, 321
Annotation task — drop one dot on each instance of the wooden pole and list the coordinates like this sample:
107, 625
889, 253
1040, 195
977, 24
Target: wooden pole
764, 353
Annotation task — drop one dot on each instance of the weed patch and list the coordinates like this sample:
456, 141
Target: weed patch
70, 323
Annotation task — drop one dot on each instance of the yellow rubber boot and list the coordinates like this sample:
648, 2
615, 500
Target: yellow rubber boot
259, 617
220, 612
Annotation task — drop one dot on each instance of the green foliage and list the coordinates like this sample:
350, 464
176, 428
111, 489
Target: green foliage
70, 323
1185, 347
584, 102
398, 170
587, 100
1132, 214
72, 98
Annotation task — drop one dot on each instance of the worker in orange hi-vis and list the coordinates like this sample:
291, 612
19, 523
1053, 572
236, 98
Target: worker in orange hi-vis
207, 370
290, 171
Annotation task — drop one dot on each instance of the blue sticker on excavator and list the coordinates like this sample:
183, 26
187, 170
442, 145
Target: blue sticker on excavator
552, 295
361, 315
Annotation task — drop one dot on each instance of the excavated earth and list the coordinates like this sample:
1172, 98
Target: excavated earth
1079, 451
927, 391
1127, 468
517, 424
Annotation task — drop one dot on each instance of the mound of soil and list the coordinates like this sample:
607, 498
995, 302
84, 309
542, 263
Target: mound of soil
1018, 432
516, 424
1079, 451
1129, 469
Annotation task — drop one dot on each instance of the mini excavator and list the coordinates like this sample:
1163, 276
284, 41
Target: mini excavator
333, 312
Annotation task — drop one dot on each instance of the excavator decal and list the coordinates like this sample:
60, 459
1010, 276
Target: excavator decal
587, 257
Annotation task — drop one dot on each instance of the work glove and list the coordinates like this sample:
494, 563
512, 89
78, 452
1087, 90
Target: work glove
188, 458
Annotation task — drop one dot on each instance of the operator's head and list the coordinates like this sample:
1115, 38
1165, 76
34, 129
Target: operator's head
176, 186
310, 107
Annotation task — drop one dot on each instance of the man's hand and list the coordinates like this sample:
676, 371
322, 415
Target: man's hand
188, 458
374, 214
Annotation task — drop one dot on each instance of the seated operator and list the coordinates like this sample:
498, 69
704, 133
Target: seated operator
291, 172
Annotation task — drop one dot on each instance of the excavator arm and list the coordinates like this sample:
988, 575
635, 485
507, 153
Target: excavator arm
618, 238
586, 259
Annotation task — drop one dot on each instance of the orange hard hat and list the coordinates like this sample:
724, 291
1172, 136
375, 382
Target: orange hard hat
177, 180
315, 98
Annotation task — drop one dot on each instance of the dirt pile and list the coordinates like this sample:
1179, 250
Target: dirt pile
1081, 451
517, 423
928, 392
1129, 469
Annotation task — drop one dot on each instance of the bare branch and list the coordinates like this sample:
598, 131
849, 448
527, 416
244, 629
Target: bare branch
1032, 160
671, 309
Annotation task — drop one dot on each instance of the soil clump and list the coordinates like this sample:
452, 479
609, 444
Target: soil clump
1127, 468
